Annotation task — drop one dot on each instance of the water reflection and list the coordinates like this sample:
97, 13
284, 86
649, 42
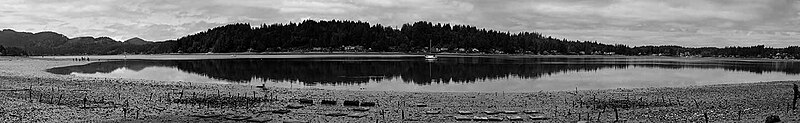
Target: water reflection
356, 71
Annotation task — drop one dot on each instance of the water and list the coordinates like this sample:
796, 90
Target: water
448, 74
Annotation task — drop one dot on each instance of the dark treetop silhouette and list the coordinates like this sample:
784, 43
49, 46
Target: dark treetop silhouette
336, 35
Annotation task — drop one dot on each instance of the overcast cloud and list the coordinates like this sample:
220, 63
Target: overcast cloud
635, 22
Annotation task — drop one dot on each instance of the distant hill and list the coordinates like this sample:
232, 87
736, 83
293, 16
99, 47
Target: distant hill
136, 41
51, 43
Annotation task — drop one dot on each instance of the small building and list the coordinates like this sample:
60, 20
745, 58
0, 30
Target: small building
353, 48
475, 50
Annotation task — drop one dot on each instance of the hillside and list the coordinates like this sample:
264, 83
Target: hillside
136, 41
51, 43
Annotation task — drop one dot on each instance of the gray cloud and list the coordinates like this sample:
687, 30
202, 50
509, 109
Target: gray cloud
637, 22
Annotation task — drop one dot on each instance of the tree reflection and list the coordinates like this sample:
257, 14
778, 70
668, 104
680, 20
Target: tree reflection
336, 71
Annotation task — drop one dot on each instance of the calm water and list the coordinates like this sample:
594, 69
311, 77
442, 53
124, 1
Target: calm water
478, 74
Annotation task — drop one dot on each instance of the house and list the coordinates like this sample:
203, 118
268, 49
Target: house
353, 48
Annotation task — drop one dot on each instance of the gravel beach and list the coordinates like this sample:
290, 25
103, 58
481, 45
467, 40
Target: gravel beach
29, 94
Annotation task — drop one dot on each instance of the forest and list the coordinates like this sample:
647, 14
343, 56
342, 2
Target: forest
358, 36
12, 51
336, 35
418, 37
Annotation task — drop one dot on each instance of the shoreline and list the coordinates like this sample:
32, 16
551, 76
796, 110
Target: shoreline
58, 98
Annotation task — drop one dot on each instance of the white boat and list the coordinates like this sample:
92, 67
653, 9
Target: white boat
430, 57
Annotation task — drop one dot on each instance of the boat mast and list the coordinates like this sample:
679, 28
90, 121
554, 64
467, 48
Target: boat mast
430, 47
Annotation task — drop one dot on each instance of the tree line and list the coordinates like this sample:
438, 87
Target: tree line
12, 51
422, 36
358, 36
337, 35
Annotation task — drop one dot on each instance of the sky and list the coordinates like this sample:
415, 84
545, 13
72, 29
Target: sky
693, 23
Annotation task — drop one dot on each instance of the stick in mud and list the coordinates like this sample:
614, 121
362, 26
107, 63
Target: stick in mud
739, 114
137, 113
599, 114
795, 96
84, 101
30, 94
616, 115
402, 115
41, 94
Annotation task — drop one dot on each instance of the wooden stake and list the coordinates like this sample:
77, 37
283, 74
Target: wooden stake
616, 114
